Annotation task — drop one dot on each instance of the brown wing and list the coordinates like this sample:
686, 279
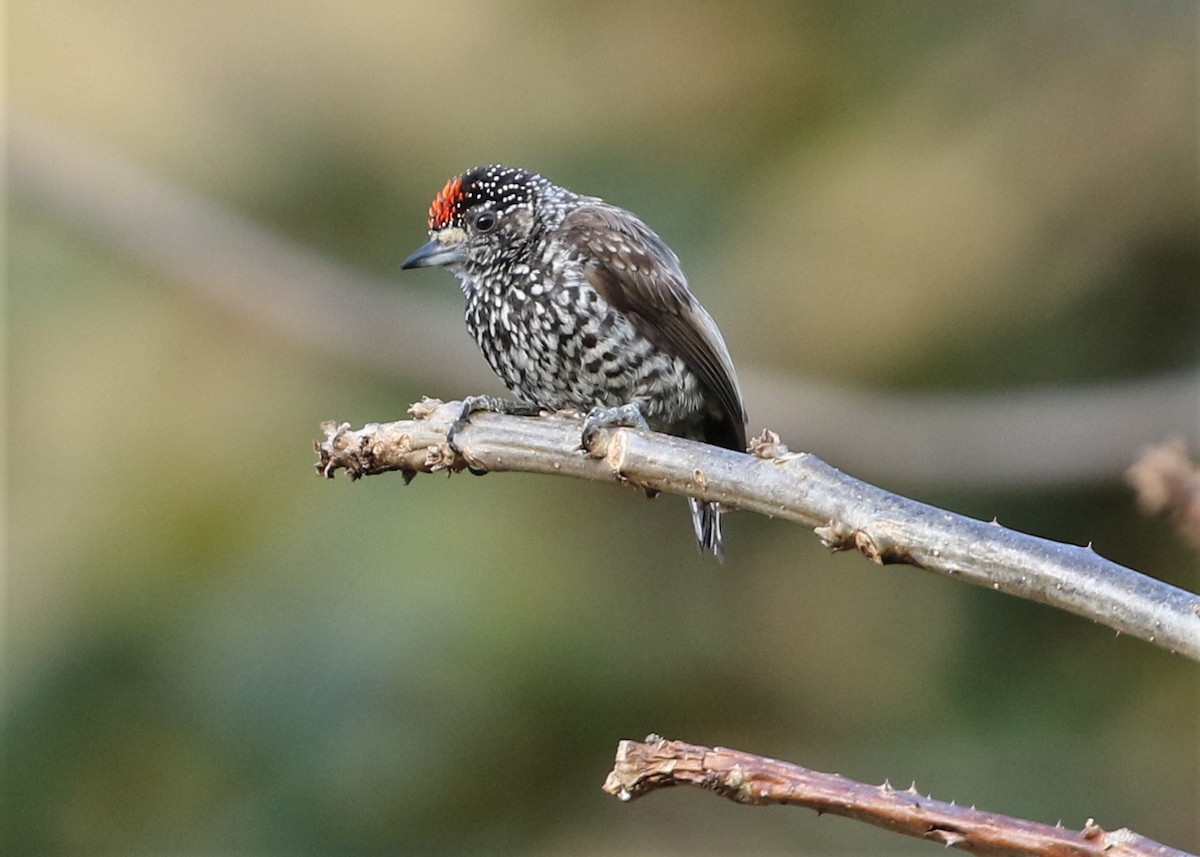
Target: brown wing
640, 277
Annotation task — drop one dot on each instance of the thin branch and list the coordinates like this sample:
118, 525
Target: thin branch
642, 767
1167, 483
1067, 434
845, 512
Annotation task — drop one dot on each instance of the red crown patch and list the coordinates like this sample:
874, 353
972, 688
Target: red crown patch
445, 205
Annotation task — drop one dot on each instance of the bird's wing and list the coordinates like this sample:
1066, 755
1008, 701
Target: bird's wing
640, 277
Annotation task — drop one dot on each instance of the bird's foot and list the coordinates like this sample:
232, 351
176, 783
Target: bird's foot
624, 416
495, 404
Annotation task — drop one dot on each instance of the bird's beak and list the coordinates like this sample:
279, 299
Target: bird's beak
445, 248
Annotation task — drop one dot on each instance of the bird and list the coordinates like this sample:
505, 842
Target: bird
578, 305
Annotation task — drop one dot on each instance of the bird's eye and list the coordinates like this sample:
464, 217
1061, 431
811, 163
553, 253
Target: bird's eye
485, 221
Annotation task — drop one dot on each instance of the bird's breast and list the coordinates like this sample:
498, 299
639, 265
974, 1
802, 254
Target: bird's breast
559, 344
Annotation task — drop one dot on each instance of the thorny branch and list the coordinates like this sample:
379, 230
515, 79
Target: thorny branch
843, 511
642, 767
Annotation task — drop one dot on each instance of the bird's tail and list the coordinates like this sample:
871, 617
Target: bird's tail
706, 520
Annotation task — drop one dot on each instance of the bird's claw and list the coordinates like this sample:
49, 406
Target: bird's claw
625, 416
463, 419
457, 450
470, 405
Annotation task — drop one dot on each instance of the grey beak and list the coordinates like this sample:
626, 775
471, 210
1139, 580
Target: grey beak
434, 253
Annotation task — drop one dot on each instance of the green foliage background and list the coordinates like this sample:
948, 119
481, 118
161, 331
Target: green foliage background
210, 650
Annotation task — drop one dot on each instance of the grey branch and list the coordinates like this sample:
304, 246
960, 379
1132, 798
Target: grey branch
845, 512
642, 767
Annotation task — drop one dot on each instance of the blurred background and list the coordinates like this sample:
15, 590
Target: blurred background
953, 249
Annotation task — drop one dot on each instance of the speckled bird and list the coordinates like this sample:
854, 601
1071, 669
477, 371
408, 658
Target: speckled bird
578, 304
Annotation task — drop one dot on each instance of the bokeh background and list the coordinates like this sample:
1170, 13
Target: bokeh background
896, 211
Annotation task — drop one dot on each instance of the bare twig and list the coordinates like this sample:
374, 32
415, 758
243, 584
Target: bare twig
1167, 483
1067, 434
642, 767
845, 512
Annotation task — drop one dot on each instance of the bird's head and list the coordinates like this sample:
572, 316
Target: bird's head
481, 216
